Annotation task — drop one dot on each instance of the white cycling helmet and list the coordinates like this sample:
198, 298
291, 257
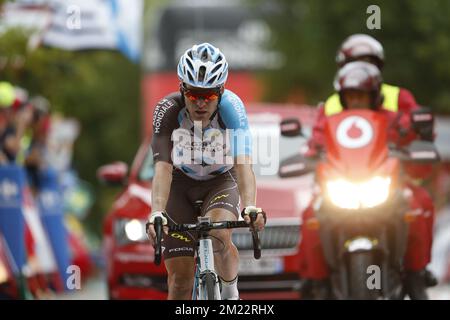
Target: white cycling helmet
203, 66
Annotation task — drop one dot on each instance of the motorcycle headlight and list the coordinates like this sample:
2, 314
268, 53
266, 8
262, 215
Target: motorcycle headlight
130, 230
369, 194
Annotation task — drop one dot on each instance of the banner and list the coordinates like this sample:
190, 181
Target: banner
96, 24
79, 24
42, 254
50, 204
12, 222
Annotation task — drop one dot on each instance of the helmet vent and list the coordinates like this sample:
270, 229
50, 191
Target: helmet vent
191, 78
189, 64
201, 73
204, 56
211, 81
217, 67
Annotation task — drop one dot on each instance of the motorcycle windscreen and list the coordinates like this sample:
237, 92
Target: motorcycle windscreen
357, 142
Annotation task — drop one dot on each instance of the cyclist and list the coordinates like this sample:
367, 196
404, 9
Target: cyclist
202, 151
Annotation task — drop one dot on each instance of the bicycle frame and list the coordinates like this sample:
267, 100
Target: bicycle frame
204, 264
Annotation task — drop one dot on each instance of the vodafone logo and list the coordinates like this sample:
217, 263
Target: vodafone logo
354, 132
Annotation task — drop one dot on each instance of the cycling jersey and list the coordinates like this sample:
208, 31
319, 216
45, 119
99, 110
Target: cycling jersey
200, 153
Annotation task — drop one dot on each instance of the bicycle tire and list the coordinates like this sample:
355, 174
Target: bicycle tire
209, 286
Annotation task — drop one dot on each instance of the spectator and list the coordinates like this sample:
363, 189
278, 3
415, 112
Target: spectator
14, 119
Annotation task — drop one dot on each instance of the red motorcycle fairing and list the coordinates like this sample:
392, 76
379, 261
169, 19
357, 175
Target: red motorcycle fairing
357, 149
356, 143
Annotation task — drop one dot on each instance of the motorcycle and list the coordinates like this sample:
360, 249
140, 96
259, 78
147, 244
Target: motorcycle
362, 205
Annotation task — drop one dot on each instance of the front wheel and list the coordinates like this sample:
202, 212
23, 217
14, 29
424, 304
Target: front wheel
209, 287
358, 264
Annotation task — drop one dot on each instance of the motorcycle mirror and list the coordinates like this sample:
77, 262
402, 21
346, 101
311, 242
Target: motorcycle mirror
423, 151
113, 174
422, 121
295, 166
291, 127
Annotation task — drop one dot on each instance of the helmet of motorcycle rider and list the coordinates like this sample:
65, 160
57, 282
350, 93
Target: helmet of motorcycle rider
360, 47
203, 66
359, 76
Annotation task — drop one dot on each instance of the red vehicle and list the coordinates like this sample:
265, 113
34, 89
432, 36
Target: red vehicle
362, 206
130, 268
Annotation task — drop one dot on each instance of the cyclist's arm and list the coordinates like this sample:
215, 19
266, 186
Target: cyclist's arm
233, 113
164, 123
162, 181
246, 180
247, 187
160, 193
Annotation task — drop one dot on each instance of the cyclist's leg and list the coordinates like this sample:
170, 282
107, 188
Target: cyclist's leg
222, 204
179, 247
180, 279
226, 256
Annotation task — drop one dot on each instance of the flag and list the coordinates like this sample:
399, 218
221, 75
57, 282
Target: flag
80, 24
96, 24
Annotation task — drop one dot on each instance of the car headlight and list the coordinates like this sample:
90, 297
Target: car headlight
130, 230
369, 194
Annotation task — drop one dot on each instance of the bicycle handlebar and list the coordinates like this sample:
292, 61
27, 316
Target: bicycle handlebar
208, 226
202, 227
224, 225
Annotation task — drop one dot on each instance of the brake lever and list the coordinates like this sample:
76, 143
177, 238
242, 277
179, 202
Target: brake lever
158, 230
255, 236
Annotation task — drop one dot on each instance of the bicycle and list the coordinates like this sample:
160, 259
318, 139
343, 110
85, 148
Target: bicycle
206, 281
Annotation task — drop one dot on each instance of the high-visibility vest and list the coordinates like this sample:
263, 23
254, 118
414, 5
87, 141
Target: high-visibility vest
390, 102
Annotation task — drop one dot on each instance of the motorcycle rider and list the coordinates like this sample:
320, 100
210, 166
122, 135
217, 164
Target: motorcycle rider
358, 85
362, 47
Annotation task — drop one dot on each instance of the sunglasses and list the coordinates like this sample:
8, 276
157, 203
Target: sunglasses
204, 94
